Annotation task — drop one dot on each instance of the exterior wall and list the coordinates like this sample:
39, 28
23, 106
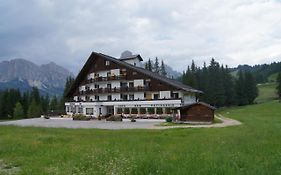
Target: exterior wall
138, 95
197, 113
189, 98
115, 72
138, 82
115, 84
133, 62
165, 94
122, 104
116, 96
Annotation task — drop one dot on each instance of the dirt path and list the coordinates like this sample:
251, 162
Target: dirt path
225, 122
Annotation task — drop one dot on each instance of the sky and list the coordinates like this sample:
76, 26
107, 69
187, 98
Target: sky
179, 31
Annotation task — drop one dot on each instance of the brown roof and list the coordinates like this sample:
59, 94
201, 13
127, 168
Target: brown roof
192, 104
154, 75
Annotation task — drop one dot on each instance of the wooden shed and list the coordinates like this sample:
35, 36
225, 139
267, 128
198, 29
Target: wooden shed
196, 112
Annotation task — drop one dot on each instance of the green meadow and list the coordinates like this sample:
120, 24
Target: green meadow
251, 148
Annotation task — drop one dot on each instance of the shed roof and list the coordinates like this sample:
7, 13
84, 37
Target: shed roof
197, 103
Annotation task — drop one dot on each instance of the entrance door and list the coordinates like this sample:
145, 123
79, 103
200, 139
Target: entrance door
110, 110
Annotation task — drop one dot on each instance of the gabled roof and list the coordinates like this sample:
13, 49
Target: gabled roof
154, 75
192, 104
131, 57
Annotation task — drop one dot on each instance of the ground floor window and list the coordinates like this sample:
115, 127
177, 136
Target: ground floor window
143, 110
119, 111
168, 111
89, 111
80, 110
159, 110
150, 110
126, 110
134, 111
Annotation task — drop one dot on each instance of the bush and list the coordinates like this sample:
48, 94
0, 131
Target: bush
169, 119
114, 118
80, 117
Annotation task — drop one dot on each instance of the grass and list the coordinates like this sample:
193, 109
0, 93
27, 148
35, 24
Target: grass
251, 148
267, 92
216, 120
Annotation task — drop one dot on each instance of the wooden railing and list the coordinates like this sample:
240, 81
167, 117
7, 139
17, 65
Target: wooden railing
114, 90
110, 78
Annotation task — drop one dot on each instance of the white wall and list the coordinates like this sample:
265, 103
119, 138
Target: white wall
132, 61
165, 94
115, 72
81, 88
138, 82
115, 96
138, 95
102, 73
115, 84
103, 97
190, 98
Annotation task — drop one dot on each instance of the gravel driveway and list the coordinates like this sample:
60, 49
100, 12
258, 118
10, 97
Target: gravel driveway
126, 124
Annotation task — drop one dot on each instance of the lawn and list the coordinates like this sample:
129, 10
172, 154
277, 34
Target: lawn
267, 92
251, 148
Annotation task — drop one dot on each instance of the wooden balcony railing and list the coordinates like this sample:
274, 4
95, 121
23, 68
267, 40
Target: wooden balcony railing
110, 78
114, 90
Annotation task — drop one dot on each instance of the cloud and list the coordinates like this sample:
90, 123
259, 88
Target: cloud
233, 32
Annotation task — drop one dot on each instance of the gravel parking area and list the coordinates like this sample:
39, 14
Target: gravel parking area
102, 124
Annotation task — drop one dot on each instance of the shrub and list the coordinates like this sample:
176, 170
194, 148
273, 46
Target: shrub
114, 118
80, 117
169, 119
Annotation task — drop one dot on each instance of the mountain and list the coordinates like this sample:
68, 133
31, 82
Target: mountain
23, 74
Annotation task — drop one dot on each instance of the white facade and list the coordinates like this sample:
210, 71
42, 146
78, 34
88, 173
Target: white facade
112, 95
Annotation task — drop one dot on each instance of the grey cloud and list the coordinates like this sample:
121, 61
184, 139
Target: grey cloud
178, 31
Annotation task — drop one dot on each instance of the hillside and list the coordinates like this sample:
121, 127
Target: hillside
23, 74
262, 72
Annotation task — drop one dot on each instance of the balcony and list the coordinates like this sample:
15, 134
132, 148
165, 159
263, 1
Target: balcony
114, 90
110, 78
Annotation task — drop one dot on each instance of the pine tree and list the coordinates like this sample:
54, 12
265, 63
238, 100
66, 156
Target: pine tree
228, 82
279, 85
149, 65
69, 82
156, 66
25, 102
54, 103
240, 89
34, 109
35, 94
250, 87
163, 69
18, 111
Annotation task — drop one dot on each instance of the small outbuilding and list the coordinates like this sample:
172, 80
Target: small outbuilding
196, 112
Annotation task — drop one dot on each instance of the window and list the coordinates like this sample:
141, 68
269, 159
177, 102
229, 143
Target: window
89, 111
109, 86
107, 63
131, 97
80, 110
108, 74
97, 97
156, 96
109, 98
131, 84
96, 86
124, 96
175, 95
